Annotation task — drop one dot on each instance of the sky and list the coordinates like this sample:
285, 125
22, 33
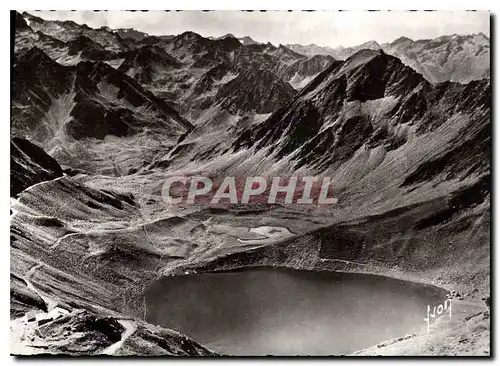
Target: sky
324, 28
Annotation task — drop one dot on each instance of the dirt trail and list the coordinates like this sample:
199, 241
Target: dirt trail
51, 304
130, 328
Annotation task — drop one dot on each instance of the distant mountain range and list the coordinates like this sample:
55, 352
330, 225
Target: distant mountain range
184, 79
460, 58
446, 58
245, 41
340, 53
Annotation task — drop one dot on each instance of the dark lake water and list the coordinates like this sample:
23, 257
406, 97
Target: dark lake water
276, 311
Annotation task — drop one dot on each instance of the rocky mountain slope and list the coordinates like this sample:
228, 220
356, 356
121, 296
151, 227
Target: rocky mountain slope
69, 299
171, 80
59, 106
300, 73
371, 98
30, 165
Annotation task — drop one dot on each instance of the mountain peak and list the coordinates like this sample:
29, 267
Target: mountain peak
365, 55
32, 17
481, 38
89, 48
20, 22
35, 56
284, 50
147, 54
367, 75
403, 39
130, 33
373, 45
84, 40
226, 36
228, 43
190, 35
481, 34
246, 40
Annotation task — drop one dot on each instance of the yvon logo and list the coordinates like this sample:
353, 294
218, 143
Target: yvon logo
440, 309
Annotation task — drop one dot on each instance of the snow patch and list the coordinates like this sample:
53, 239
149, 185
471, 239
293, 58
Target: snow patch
378, 108
115, 63
298, 82
226, 79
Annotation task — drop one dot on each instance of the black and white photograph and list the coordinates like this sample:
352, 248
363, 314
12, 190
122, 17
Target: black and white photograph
250, 183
